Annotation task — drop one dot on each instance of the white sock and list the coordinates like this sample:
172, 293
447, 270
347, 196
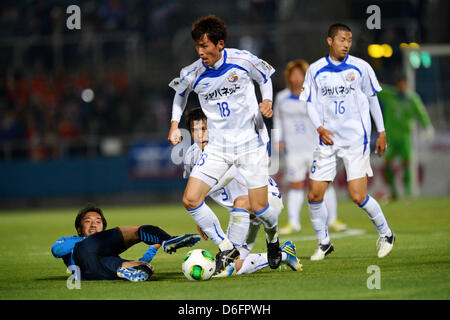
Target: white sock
318, 215
295, 199
375, 214
208, 222
238, 226
253, 262
269, 219
253, 229
331, 204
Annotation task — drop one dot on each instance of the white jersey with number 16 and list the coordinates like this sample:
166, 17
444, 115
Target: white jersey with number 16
339, 92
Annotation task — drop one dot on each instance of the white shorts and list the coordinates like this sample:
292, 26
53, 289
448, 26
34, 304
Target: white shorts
276, 202
253, 165
297, 165
226, 195
356, 161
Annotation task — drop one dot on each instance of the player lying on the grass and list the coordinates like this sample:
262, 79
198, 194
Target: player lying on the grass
223, 80
231, 193
95, 250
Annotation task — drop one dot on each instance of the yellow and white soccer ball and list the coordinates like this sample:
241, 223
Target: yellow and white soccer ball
198, 264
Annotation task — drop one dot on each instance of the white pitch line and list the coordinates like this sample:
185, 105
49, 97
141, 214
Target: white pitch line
334, 235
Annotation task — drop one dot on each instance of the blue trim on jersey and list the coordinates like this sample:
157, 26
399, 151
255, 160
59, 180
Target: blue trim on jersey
293, 96
261, 211
330, 67
214, 73
365, 138
373, 88
190, 210
364, 202
183, 93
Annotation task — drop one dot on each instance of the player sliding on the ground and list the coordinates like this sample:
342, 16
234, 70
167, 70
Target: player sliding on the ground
341, 93
231, 193
95, 250
223, 79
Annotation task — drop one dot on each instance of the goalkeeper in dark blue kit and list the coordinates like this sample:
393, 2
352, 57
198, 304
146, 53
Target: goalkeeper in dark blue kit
95, 250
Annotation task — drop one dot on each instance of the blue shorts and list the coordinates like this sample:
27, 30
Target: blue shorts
97, 256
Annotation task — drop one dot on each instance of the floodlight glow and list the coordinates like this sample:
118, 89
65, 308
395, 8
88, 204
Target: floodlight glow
414, 59
375, 50
387, 50
426, 59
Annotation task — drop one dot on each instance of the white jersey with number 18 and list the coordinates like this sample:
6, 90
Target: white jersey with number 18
227, 97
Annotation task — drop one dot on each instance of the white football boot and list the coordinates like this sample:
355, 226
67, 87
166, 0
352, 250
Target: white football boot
321, 251
385, 245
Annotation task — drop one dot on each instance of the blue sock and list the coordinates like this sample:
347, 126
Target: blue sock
152, 235
149, 254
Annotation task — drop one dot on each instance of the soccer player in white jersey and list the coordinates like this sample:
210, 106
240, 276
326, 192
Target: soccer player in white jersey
231, 193
341, 93
223, 79
298, 138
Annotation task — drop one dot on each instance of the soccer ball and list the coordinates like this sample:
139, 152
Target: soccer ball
198, 264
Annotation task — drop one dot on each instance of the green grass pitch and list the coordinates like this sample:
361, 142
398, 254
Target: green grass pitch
417, 268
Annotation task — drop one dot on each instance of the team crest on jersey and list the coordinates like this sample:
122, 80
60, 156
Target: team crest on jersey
350, 76
233, 77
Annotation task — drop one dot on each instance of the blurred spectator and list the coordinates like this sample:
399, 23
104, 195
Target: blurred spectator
126, 50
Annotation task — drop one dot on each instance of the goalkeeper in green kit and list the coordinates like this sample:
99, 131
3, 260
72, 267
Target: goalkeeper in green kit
401, 107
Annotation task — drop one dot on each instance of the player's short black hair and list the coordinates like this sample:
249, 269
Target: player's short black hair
211, 25
89, 208
334, 28
194, 114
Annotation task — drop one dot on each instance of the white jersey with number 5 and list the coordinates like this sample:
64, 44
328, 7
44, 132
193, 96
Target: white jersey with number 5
339, 92
227, 97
